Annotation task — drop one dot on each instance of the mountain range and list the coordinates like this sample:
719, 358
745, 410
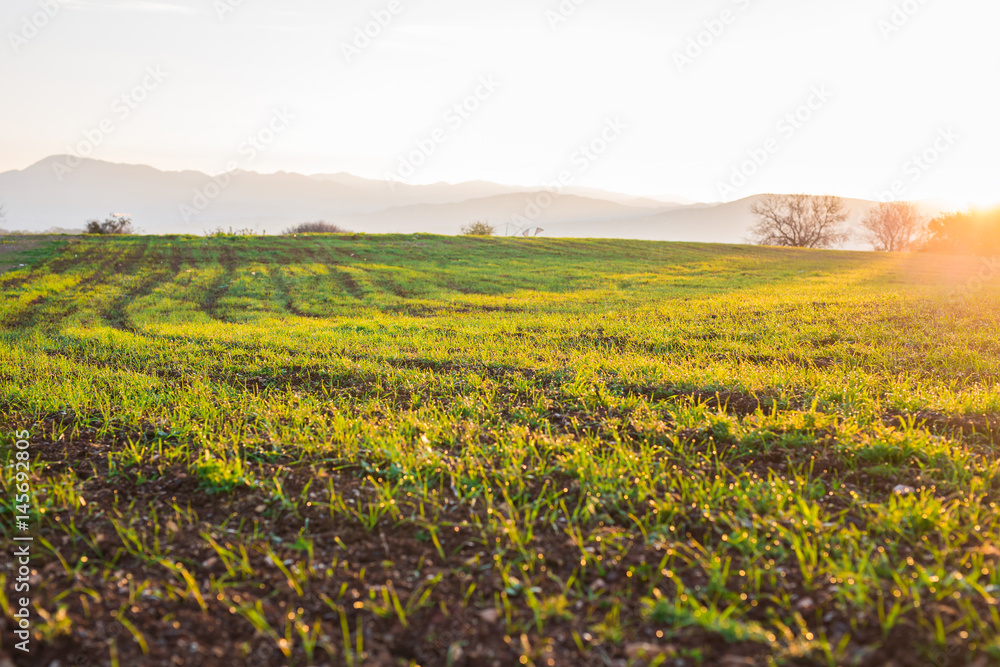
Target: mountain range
63, 193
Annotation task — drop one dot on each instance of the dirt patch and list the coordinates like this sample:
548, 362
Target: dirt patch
981, 428
10, 246
349, 570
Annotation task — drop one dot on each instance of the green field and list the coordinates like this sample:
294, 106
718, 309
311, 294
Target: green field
418, 450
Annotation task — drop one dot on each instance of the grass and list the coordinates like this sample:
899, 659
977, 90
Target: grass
416, 450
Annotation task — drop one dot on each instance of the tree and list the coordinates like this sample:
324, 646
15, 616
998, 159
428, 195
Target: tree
799, 221
318, 227
969, 232
479, 228
894, 226
114, 224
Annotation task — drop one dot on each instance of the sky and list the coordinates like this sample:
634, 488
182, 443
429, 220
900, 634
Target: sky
708, 100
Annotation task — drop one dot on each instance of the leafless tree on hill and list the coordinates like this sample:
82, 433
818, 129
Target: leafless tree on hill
799, 221
894, 226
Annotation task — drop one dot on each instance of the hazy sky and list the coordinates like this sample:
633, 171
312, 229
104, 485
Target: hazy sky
874, 84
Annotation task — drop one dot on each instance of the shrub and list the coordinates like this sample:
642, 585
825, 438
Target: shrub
244, 231
318, 227
479, 228
113, 224
970, 232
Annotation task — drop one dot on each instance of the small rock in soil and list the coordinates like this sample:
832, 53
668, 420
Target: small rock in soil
805, 605
489, 615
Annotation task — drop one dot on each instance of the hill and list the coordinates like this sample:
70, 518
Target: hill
45, 196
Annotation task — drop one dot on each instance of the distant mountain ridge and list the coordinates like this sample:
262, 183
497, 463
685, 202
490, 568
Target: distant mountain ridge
46, 195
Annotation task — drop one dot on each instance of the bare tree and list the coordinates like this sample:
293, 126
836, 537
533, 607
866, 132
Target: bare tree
799, 221
894, 226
